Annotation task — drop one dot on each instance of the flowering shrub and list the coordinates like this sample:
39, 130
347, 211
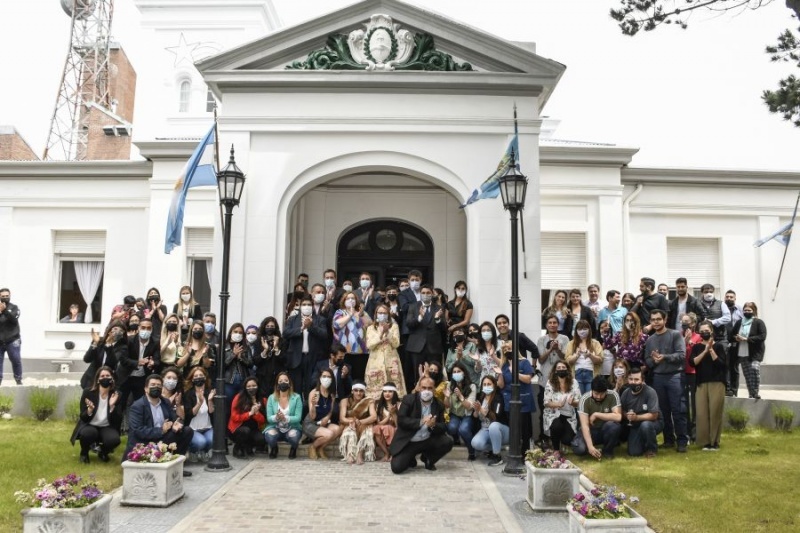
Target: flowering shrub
68, 492
539, 458
601, 502
153, 453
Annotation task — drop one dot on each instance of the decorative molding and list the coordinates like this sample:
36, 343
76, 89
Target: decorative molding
84, 170
715, 177
613, 156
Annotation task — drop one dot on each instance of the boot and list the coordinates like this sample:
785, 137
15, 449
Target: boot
312, 453
273, 452
292, 453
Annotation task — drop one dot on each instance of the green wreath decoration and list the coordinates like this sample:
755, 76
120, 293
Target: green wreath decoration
392, 51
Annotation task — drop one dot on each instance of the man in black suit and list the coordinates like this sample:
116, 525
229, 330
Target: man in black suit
147, 354
152, 420
407, 297
367, 295
306, 337
342, 372
420, 431
683, 304
425, 322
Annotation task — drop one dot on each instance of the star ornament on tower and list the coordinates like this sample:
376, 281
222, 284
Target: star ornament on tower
183, 51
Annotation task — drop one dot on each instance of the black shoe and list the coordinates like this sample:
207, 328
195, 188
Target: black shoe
186, 473
273, 452
756, 397
249, 451
19, 382
85, 458
471, 457
238, 451
292, 453
495, 459
430, 466
681, 448
103, 456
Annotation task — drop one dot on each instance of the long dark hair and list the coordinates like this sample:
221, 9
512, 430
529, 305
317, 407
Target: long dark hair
481, 342
553, 379
243, 402
481, 394
262, 327
466, 383
96, 386
382, 403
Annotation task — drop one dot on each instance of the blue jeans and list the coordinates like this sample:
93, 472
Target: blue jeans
607, 435
491, 438
642, 437
461, 426
273, 436
584, 378
13, 350
669, 388
202, 440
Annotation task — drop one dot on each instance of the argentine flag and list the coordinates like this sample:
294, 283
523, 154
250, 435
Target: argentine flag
491, 187
199, 171
783, 236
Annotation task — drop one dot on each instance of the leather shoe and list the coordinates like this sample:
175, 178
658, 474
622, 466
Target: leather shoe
186, 473
429, 465
85, 458
273, 452
292, 453
103, 456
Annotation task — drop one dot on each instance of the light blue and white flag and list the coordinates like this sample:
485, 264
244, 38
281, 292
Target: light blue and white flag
491, 187
198, 171
783, 235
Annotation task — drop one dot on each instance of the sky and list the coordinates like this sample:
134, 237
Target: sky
685, 98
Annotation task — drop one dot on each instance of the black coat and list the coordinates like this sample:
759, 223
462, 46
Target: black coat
341, 385
587, 315
293, 335
424, 336
755, 340
408, 418
114, 416
190, 402
693, 305
130, 362
140, 422
99, 356
405, 299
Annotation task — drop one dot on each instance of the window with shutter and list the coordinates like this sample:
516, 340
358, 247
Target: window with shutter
696, 259
563, 260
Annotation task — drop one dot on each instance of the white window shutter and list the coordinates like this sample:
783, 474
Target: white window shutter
695, 259
199, 242
78, 242
563, 258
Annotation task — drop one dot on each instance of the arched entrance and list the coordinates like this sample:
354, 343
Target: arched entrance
387, 249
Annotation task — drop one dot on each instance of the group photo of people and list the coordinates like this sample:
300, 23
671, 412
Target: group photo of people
403, 373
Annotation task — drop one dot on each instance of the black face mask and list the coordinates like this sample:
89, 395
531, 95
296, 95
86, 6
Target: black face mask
5, 299
434, 376
339, 362
747, 314
172, 326
283, 386
118, 335
252, 392
636, 389
458, 339
197, 334
198, 382
705, 335
154, 392
684, 327
133, 327
730, 304
105, 382
298, 294
270, 331
562, 373
153, 298
391, 297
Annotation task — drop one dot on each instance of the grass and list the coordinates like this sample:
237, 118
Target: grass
748, 485
31, 450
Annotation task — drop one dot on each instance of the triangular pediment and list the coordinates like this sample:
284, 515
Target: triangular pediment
475, 54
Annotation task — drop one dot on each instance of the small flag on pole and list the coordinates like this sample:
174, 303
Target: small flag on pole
198, 171
491, 187
783, 235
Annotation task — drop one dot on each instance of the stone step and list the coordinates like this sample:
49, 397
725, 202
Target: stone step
457, 453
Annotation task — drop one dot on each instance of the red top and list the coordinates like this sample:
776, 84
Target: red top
239, 417
696, 339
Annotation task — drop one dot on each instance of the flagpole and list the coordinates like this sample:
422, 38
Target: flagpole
786, 249
216, 157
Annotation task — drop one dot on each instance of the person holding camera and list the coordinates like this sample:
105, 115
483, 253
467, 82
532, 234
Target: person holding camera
156, 311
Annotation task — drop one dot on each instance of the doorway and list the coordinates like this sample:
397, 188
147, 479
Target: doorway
387, 249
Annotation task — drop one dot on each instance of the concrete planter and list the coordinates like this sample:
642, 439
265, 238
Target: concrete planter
152, 484
550, 488
580, 524
93, 518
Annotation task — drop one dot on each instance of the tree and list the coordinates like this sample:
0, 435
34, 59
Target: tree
636, 15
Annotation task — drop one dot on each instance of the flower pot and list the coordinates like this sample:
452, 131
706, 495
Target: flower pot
152, 484
578, 524
92, 518
550, 488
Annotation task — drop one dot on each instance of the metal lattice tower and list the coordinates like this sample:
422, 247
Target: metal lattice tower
85, 78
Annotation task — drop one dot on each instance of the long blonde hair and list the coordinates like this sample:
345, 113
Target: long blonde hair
628, 335
183, 305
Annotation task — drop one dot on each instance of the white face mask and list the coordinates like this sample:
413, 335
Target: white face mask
236, 337
365, 283
325, 382
403, 287
619, 372
306, 310
583, 333
186, 298
461, 293
426, 395
349, 303
329, 282
252, 337
709, 297
319, 298
414, 285
170, 384
348, 288
382, 317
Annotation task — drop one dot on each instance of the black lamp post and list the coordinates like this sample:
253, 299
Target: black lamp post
230, 181
513, 186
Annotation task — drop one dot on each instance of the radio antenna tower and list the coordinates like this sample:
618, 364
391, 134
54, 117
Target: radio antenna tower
84, 80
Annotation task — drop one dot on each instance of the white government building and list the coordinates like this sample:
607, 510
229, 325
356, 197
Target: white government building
364, 169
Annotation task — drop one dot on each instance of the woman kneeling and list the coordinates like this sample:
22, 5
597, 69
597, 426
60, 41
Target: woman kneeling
357, 414
100, 420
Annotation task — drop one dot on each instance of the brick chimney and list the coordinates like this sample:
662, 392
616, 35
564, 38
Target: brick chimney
13, 147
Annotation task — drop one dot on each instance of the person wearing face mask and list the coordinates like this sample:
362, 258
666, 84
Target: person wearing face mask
171, 348
717, 312
585, 356
640, 407
463, 351
342, 374
237, 364
460, 308
284, 416
104, 352
600, 415
133, 366
133, 326
151, 419
619, 376
405, 298
270, 359
156, 311
301, 285
100, 421
489, 351
319, 424
490, 411
391, 302
247, 419
561, 396
196, 352
188, 310
298, 295
629, 343
305, 337
747, 343
688, 327
732, 386
708, 359
366, 294
383, 338
198, 405
421, 430
683, 304
147, 351
10, 341
425, 322
349, 327
173, 390
648, 301
578, 312
210, 328
333, 294
459, 401
252, 346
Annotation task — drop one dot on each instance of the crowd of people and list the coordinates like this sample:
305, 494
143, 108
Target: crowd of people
403, 372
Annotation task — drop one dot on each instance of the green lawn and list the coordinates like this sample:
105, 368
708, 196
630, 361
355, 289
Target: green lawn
30, 450
748, 485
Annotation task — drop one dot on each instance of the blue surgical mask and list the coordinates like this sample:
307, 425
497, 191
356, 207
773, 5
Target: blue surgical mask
457, 377
414, 285
486, 335
365, 284
208, 327
488, 390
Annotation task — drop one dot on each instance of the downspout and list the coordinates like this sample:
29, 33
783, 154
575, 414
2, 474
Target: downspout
626, 226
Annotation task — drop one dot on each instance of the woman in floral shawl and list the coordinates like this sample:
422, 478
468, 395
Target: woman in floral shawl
383, 338
357, 414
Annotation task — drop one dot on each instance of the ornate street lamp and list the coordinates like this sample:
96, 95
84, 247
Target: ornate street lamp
513, 186
230, 181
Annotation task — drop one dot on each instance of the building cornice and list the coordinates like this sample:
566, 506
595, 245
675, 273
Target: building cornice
715, 177
134, 170
167, 149
613, 156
